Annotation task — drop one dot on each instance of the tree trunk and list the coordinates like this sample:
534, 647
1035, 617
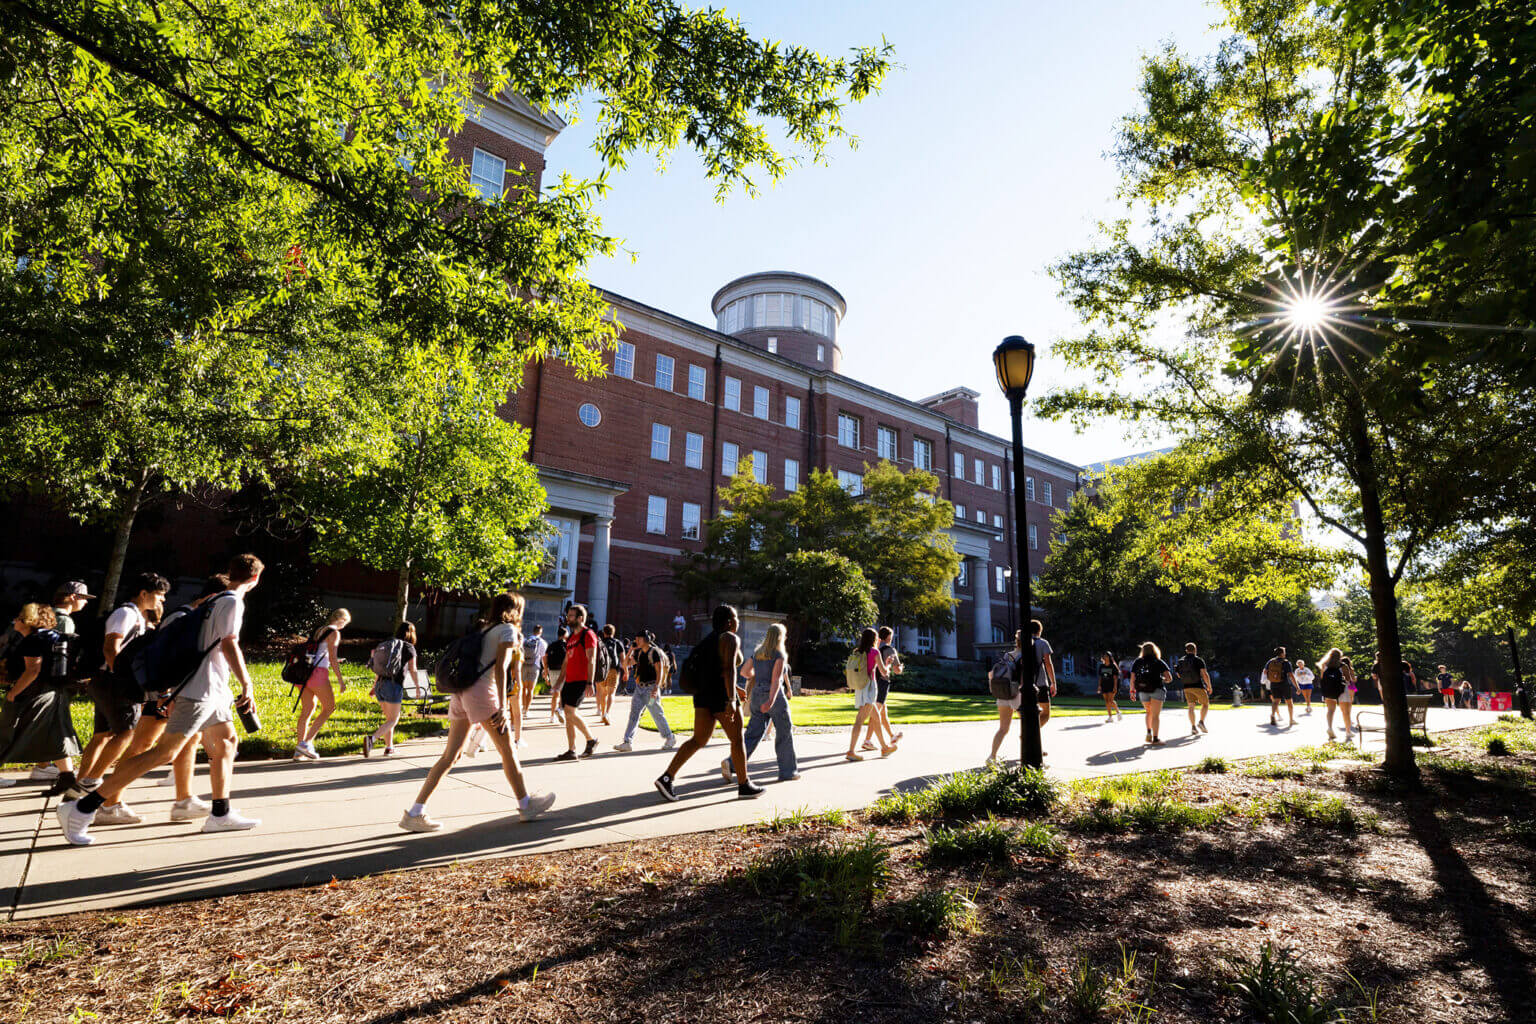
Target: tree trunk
1399, 757
402, 594
405, 542
120, 538
1522, 699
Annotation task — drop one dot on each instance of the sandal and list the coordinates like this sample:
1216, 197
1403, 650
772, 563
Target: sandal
854, 757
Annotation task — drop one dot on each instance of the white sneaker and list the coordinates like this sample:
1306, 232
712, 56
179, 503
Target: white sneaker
168, 781
670, 744
190, 809
47, 773
8, 783
538, 803
234, 821
117, 814
624, 747
725, 769
419, 822
76, 825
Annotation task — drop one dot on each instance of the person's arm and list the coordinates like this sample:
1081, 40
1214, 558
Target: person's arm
1205, 678
229, 646
774, 684
499, 680
110, 645
729, 647
33, 667
333, 655
1050, 673
591, 638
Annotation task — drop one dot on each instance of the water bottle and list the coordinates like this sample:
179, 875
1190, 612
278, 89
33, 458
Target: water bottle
250, 721
58, 658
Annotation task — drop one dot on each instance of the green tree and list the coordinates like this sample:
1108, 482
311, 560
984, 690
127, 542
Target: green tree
1254, 189
821, 591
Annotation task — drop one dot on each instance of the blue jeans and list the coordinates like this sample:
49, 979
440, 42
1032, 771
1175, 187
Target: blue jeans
783, 730
645, 697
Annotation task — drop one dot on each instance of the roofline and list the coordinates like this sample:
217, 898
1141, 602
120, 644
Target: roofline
795, 274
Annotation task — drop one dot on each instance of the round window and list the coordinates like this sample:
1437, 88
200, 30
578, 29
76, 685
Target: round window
589, 414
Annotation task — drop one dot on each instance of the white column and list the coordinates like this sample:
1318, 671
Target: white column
597, 576
906, 638
947, 645
981, 593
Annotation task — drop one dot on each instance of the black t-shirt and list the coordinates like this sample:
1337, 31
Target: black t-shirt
36, 644
1190, 667
1445, 680
1148, 673
1109, 675
647, 665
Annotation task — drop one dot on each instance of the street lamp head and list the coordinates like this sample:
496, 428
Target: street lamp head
1015, 363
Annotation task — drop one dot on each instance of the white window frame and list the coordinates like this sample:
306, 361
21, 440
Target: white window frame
924, 640
484, 176
760, 466
1045, 492
849, 431
963, 577
791, 474
691, 520
666, 369
624, 360
821, 353
760, 399
733, 394
850, 481
997, 478
1000, 583
981, 472
1029, 488
773, 346
922, 453
693, 450
581, 410
887, 443
730, 458
1034, 537
696, 385
959, 513
997, 522
958, 471
656, 515
981, 517
792, 412
661, 442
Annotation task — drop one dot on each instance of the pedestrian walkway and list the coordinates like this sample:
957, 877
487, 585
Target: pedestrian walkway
337, 818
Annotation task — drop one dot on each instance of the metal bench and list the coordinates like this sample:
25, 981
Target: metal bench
1418, 711
419, 695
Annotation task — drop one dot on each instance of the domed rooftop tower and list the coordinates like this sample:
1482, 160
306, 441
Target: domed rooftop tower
788, 314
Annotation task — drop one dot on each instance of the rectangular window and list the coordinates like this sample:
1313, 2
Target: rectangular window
1046, 488
760, 402
981, 471
661, 442
959, 472
1000, 581
963, 580
821, 353
792, 412
773, 346
693, 451
1029, 488
759, 311
959, 513
922, 454
730, 454
656, 514
997, 478
664, 368
791, 474
488, 174
997, 522
690, 521
775, 310
981, 517
624, 360
821, 320
847, 430
760, 466
696, 382
885, 443
924, 640
1034, 538
853, 483
733, 394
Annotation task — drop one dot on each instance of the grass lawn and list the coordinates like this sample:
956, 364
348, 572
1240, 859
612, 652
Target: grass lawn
836, 709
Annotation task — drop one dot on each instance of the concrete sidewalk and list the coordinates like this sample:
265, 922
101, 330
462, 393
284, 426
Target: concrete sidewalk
337, 817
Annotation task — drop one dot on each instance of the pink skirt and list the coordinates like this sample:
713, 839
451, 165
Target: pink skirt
319, 679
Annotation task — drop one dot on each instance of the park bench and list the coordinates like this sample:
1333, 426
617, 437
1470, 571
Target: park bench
419, 695
1418, 711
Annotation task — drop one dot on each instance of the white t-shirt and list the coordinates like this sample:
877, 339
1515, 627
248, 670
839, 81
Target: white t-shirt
211, 680
1303, 676
126, 621
678, 623
501, 633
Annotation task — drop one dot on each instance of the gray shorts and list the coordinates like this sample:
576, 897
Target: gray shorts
1161, 693
193, 716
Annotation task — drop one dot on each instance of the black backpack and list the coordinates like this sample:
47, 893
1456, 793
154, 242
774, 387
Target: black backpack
1189, 672
690, 675
460, 665
554, 656
1149, 675
165, 659
604, 662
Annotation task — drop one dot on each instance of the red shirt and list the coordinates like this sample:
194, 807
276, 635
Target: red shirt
576, 648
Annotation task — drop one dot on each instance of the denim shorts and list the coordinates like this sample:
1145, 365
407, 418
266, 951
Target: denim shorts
1161, 693
390, 691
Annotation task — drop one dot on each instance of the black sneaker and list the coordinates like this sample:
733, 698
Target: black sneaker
569, 755
664, 787
591, 748
749, 790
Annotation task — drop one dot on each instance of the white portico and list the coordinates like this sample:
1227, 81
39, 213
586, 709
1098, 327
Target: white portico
575, 500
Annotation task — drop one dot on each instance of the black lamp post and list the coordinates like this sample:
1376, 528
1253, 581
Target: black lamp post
1014, 360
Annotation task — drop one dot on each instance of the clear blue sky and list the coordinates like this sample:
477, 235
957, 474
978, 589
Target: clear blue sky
981, 162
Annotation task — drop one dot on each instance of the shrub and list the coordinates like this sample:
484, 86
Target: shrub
1497, 746
1277, 992
1322, 812
833, 874
1212, 766
1006, 791
901, 808
1147, 814
934, 912
1271, 768
1041, 839
981, 840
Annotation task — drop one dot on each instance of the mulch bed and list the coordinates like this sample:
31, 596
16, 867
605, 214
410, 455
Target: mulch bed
1432, 914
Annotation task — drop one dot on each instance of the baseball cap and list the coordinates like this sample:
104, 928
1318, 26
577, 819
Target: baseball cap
71, 588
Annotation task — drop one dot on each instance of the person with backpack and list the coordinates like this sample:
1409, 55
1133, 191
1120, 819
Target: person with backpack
476, 672
889, 665
861, 671
651, 674
1304, 680
392, 661
1109, 680
1336, 678
769, 705
35, 726
709, 675
1151, 676
554, 668
1197, 687
200, 705
69, 599
324, 658
1005, 681
1280, 680
586, 661
534, 673
608, 685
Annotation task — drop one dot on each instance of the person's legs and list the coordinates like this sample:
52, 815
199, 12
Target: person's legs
757, 725
509, 762
573, 722
1154, 718
784, 739
1004, 721
145, 735
1109, 704
458, 729
1045, 709
133, 768
730, 721
325, 698
1205, 706
182, 766
1329, 704
307, 698
885, 720
659, 716
1290, 708
860, 721
1345, 707
515, 712
220, 741
386, 731
1274, 710
703, 729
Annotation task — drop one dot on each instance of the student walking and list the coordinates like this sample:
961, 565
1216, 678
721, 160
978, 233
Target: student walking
580, 678
651, 672
1109, 685
554, 668
187, 807
392, 661
710, 671
534, 648
201, 706
1447, 686
1045, 671
324, 662
118, 709
1280, 678
484, 703
889, 665
1337, 680
1016, 672
1304, 680
1197, 687
769, 704
862, 674
607, 686
35, 727
1152, 676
